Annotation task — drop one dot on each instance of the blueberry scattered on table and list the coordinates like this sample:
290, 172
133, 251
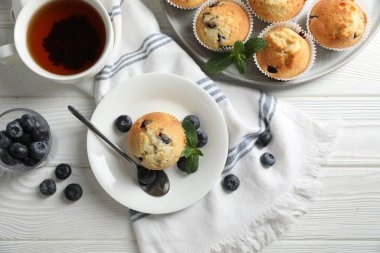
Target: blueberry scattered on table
63, 171
8, 158
5, 141
194, 119
123, 123
14, 129
73, 192
146, 176
18, 150
181, 163
231, 182
48, 187
267, 159
38, 149
28, 123
40, 133
264, 139
202, 139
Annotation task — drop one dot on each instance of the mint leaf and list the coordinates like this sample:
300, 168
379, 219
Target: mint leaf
240, 63
197, 152
187, 152
191, 133
254, 45
191, 164
219, 62
191, 152
238, 48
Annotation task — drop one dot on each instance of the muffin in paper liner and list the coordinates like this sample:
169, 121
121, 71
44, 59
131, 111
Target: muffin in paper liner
211, 2
184, 7
292, 19
367, 29
295, 27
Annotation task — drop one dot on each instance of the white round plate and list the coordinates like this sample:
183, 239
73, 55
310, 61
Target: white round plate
156, 92
326, 61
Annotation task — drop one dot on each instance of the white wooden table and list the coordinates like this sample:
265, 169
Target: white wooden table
345, 218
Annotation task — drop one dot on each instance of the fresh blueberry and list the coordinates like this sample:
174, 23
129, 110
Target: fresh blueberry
38, 149
63, 171
18, 150
73, 192
14, 129
202, 139
264, 139
40, 133
181, 163
25, 139
194, 119
123, 123
5, 141
48, 187
28, 123
146, 176
231, 182
7, 158
267, 159
29, 161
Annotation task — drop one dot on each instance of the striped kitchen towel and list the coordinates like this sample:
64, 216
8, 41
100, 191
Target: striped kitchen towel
269, 199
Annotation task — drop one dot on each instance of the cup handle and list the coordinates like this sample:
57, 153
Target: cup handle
8, 54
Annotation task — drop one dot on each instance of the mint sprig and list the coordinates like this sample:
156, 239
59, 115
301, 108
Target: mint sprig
191, 152
239, 55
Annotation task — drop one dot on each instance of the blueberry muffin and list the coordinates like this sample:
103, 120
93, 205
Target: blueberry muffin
278, 10
337, 24
221, 24
286, 55
157, 140
187, 4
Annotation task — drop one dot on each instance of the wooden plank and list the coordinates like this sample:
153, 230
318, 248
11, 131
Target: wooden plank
324, 246
68, 246
357, 144
348, 209
130, 247
27, 215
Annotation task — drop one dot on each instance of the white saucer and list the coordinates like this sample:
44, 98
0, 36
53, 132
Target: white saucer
157, 92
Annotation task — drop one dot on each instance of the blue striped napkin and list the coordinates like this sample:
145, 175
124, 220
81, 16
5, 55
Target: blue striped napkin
268, 200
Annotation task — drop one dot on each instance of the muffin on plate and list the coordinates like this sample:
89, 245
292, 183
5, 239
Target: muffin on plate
219, 24
286, 55
157, 140
276, 11
337, 24
186, 4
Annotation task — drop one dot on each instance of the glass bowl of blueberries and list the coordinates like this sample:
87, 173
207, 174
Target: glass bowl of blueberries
25, 140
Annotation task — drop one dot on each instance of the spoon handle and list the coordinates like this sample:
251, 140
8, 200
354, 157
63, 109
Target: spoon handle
98, 133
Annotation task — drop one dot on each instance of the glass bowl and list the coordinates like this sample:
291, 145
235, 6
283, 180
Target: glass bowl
12, 115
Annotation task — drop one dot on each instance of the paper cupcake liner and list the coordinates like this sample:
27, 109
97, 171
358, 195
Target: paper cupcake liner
297, 28
182, 7
367, 29
293, 19
210, 2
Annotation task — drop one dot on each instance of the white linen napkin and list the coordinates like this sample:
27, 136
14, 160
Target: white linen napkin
269, 199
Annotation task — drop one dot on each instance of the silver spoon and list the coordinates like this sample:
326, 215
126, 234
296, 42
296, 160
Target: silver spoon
160, 185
